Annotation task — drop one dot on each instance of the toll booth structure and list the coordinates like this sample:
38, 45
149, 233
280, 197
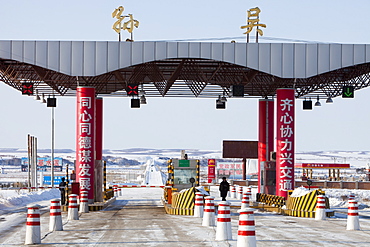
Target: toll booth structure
185, 173
182, 174
65, 65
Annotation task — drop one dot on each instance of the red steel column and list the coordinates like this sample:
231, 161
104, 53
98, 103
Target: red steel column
99, 150
265, 134
85, 139
285, 141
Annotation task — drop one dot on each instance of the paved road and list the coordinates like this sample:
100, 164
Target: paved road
138, 219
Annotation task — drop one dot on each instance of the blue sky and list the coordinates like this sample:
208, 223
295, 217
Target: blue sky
184, 123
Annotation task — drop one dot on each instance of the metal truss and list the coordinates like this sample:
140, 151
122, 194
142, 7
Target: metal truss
186, 77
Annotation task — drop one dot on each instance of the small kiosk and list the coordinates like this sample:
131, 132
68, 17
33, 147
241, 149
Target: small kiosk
185, 173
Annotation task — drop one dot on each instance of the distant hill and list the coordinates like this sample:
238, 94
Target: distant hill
136, 156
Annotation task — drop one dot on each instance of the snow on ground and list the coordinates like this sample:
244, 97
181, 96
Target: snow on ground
13, 205
129, 227
339, 197
300, 191
12, 199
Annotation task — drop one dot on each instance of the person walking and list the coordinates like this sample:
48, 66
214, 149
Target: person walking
224, 188
62, 188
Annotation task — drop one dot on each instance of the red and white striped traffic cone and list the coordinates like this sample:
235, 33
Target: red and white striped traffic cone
84, 202
351, 196
55, 223
240, 193
353, 222
209, 212
33, 230
249, 191
73, 207
246, 230
320, 213
233, 192
223, 230
245, 201
198, 205
115, 190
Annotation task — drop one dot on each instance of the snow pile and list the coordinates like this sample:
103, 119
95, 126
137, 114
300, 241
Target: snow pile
339, 197
202, 190
11, 198
300, 191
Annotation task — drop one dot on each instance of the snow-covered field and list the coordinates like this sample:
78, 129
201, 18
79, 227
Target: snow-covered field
354, 158
10, 174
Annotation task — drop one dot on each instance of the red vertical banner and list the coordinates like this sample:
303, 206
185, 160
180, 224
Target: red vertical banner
285, 141
265, 134
85, 141
211, 170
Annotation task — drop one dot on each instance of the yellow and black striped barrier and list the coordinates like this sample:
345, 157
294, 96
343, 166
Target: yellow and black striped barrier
182, 203
270, 202
108, 194
304, 206
92, 207
170, 171
105, 176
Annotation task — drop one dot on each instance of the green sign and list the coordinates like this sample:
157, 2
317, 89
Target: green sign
348, 92
184, 163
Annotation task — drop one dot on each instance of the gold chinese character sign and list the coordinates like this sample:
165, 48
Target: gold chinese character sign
253, 21
128, 25
117, 13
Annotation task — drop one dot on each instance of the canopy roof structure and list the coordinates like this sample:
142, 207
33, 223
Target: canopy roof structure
185, 69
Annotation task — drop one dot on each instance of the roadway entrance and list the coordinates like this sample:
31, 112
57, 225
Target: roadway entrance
285, 72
